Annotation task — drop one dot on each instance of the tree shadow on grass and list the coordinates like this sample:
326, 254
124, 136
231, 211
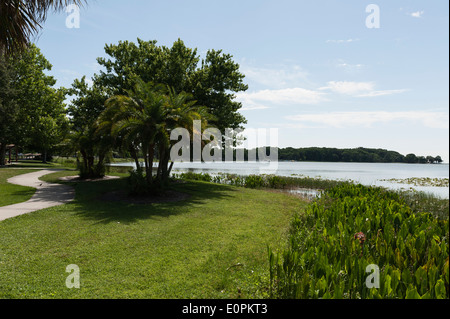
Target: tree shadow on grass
90, 205
17, 196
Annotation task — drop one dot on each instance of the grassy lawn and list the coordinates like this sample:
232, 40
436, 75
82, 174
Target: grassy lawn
34, 164
211, 245
12, 194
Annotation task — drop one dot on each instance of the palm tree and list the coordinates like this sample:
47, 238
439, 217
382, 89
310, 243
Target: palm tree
138, 117
181, 111
146, 117
21, 19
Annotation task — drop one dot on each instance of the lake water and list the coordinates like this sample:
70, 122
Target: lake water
364, 173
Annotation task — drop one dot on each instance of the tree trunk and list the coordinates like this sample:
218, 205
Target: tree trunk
170, 169
160, 173
99, 169
135, 157
151, 155
91, 166
2, 153
144, 150
84, 156
165, 169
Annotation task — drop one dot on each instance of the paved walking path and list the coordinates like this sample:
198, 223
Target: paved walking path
47, 195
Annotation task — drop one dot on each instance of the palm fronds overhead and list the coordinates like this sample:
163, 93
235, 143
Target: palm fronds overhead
21, 19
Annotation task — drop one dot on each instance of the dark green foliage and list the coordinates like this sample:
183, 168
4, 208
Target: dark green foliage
362, 155
32, 113
8, 107
213, 81
205, 177
137, 183
327, 258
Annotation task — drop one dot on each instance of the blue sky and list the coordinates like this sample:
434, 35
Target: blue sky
315, 70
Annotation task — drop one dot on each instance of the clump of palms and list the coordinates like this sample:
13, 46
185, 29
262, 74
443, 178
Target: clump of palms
142, 121
21, 19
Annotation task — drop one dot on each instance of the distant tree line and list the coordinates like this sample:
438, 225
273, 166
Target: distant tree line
362, 155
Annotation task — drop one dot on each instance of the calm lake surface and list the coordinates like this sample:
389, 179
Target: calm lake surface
364, 173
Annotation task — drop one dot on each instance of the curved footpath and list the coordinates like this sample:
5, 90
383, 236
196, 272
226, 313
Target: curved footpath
46, 195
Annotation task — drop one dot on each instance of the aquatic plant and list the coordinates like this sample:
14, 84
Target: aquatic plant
420, 181
263, 180
352, 227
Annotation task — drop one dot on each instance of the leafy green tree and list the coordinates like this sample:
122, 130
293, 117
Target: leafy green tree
42, 121
144, 118
430, 159
181, 112
212, 81
139, 117
411, 158
8, 107
33, 110
421, 160
85, 108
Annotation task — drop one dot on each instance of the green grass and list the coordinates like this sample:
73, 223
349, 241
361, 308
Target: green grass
34, 164
212, 245
13, 194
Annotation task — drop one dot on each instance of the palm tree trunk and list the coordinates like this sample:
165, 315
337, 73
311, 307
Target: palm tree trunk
165, 168
170, 169
144, 150
135, 156
160, 172
151, 155
91, 159
99, 169
84, 155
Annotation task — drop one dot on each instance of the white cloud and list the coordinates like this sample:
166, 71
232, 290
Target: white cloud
251, 106
278, 77
342, 41
265, 98
417, 14
438, 120
349, 88
358, 89
382, 92
349, 67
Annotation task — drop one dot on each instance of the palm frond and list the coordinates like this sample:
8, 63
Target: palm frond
21, 19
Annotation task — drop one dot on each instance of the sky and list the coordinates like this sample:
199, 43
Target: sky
325, 73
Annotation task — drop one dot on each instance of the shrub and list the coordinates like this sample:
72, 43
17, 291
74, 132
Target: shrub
205, 177
254, 181
137, 182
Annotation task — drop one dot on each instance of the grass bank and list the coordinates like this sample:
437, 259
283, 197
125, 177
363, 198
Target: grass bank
211, 245
13, 194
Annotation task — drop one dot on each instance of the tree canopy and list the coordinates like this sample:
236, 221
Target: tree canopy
364, 155
212, 81
32, 110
